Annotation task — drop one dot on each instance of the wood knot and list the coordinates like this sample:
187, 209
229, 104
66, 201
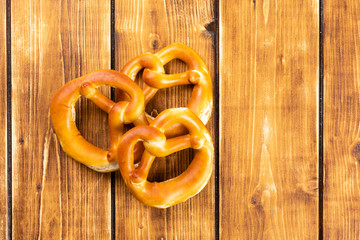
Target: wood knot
21, 141
255, 199
253, 2
153, 13
154, 41
264, 197
355, 151
210, 30
310, 188
211, 26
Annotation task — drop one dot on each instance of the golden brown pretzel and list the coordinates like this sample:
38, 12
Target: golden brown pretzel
154, 77
63, 116
184, 186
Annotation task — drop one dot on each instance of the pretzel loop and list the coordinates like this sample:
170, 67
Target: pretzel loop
62, 111
132, 68
180, 188
154, 77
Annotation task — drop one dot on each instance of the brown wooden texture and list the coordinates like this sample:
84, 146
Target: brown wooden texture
268, 119
3, 125
148, 26
341, 119
54, 197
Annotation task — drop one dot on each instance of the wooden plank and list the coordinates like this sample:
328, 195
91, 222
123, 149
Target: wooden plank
143, 26
53, 42
3, 125
268, 119
341, 119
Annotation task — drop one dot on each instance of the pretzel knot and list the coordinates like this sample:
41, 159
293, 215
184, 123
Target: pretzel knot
201, 100
182, 187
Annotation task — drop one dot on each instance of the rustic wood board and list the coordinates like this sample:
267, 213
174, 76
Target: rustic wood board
142, 26
341, 119
268, 119
53, 42
3, 125
269, 101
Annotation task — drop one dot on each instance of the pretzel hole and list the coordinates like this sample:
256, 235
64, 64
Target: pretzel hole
92, 122
165, 168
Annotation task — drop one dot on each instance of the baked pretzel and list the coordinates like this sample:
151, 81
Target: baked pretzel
154, 77
62, 111
180, 188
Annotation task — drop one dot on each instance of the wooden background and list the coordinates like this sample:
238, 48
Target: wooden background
286, 120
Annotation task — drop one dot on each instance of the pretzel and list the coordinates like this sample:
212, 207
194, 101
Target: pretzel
172, 130
154, 77
62, 112
180, 188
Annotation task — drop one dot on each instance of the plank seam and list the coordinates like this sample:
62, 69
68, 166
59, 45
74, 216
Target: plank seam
112, 54
9, 117
321, 116
217, 122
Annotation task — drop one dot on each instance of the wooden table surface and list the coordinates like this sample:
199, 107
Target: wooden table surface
285, 123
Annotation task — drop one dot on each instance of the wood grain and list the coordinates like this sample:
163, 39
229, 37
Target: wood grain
54, 41
142, 26
341, 119
3, 124
268, 119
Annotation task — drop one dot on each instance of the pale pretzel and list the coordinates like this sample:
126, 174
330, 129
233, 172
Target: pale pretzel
154, 77
63, 116
180, 188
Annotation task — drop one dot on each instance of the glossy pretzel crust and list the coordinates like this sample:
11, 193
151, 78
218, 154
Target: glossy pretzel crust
62, 111
171, 131
182, 187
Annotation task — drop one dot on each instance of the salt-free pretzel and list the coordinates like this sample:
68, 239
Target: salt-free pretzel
154, 77
178, 189
62, 107
62, 112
